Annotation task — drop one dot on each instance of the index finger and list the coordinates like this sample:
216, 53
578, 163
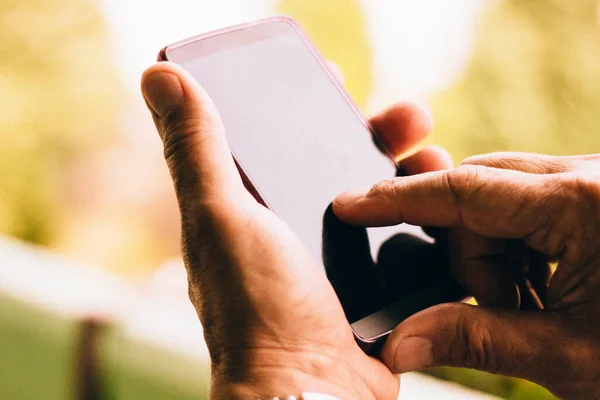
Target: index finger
488, 201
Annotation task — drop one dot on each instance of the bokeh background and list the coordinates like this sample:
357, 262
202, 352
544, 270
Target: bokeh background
92, 293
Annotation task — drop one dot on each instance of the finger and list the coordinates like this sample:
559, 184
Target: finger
336, 71
194, 141
401, 127
483, 269
430, 158
488, 201
525, 162
514, 343
407, 264
349, 267
491, 284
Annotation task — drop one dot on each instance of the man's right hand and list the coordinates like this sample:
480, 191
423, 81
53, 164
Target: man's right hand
509, 215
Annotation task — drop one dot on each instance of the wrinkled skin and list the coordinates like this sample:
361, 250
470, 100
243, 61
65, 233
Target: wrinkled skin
272, 322
508, 215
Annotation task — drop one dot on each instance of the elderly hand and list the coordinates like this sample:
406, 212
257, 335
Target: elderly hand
272, 322
509, 214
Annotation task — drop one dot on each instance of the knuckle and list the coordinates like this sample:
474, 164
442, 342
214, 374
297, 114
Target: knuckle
179, 134
479, 347
577, 186
472, 346
577, 196
550, 234
384, 189
588, 188
571, 204
466, 180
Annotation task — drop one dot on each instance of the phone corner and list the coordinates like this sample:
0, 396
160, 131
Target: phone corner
283, 18
287, 19
371, 347
162, 55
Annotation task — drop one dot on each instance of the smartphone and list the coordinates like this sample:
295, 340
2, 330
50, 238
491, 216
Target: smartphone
298, 141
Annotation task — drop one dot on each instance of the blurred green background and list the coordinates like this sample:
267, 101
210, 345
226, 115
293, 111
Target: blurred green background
80, 167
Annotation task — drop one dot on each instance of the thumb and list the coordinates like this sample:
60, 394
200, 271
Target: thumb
493, 340
193, 135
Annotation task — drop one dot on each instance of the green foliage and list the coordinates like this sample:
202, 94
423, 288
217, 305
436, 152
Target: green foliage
58, 94
134, 369
37, 352
532, 84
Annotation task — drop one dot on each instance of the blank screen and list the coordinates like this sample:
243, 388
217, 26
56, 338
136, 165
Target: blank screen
292, 130
299, 140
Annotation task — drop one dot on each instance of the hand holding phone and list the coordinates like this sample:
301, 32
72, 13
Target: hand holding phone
298, 140
272, 321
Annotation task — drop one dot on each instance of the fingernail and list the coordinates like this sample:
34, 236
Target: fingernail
351, 196
413, 354
163, 92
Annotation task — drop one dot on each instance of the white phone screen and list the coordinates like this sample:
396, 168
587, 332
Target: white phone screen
291, 128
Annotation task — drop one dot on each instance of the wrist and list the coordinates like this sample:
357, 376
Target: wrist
281, 374
277, 387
